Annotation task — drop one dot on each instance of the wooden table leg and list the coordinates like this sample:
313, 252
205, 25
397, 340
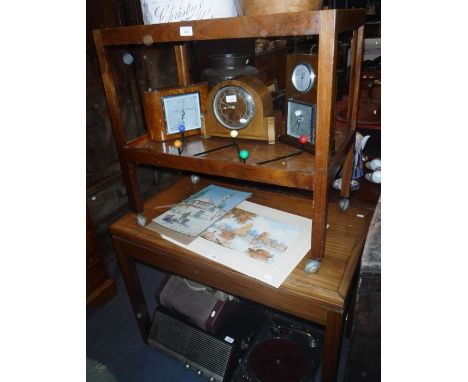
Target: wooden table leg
134, 290
332, 346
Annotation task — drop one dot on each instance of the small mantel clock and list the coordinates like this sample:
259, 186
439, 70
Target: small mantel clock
301, 77
243, 104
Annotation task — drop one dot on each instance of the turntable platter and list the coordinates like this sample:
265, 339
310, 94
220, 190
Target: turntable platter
278, 360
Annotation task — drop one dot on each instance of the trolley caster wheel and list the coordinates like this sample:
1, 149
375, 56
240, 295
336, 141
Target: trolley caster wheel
344, 204
141, 220
195, 179
311, 266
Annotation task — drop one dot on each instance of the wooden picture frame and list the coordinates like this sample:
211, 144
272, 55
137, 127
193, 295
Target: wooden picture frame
159, 112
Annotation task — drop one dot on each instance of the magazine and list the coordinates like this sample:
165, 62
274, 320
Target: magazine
261, 242
196, 213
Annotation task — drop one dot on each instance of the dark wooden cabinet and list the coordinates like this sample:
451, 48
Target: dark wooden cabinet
364, 352
100, 288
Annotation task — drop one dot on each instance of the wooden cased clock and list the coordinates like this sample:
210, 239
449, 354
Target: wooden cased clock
243, 104
301, 97
166, 110
301, 77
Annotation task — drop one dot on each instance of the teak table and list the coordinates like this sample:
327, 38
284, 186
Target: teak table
322, 298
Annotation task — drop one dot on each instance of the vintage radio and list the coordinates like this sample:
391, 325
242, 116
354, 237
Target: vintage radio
214, 356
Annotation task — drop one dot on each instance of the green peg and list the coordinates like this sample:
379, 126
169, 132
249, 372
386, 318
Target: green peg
244, 154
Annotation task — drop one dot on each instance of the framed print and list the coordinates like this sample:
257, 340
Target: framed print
172, 110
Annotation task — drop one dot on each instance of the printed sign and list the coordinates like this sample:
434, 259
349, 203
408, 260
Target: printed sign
167, 11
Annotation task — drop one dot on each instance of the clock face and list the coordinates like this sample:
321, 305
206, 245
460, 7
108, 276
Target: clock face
233, 107
301, 120
182, 110
303, 77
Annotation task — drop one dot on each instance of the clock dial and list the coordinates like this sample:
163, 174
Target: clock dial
233, 107
303, 77
182, 111
301, 120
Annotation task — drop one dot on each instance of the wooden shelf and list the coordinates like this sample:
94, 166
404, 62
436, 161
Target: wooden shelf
297, 171
286, 24
305, 171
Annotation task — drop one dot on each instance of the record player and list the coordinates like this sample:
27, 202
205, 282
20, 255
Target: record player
286, 349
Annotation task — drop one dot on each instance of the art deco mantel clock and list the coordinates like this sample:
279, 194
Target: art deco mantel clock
243, 104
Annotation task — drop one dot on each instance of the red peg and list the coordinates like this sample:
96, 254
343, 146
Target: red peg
303, 139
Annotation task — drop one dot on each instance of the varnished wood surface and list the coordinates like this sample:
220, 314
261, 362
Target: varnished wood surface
297, 171
327, 24
283, 24
129, 171
326, 89
307, 296
183, 68
332, 344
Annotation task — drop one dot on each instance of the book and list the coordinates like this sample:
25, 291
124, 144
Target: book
259, 241
199, 211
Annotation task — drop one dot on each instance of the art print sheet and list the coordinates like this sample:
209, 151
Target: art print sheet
268, 252
258, 237
196, 213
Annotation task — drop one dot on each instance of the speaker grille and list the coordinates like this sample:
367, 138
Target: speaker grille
191, 343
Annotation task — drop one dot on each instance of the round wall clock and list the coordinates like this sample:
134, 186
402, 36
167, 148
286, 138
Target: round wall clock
243, 104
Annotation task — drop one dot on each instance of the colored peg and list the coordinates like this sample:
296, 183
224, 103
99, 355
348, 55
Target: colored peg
234, 134
178, 145
303, 140
244, 154
182, 130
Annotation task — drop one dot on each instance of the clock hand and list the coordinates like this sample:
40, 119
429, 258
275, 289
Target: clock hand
229, 106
